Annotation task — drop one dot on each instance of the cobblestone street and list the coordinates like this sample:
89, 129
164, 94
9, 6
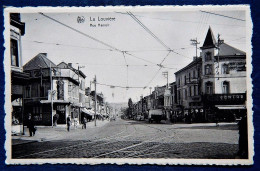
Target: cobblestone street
135, 139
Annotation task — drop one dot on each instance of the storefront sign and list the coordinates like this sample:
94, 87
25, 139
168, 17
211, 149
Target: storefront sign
238, 66
61, 108
225, 98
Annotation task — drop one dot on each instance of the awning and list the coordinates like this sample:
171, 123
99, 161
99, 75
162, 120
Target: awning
89, 112
55, 101
225, 107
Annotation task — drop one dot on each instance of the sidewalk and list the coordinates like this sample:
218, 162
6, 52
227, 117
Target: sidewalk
47, 133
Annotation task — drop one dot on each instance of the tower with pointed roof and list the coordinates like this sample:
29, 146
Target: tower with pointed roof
223, 78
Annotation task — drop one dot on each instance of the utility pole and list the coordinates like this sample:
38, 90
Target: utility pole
51, 96
165, 74
95, 82
218, 47
150, 90
195, 43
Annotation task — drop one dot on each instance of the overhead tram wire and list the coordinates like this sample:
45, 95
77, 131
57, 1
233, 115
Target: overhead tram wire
61, 44
185, 21
80, 32
118, 86
149, 31
212, 13
159, 40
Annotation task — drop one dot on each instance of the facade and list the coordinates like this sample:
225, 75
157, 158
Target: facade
223, 78
189, 99
213, 86
52, 92
18, 77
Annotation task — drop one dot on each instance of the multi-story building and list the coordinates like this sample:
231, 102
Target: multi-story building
223, 80
52, 91
213, 86
75, 80
189, 97
18, 77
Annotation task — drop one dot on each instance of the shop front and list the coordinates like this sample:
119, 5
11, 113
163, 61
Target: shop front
224, 107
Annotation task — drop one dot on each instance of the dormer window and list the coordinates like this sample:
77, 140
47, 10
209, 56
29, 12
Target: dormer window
208, 56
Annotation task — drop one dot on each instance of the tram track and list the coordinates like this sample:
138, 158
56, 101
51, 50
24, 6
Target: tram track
121, 136
71, 146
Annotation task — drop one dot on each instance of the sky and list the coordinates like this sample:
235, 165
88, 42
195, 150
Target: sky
123, 53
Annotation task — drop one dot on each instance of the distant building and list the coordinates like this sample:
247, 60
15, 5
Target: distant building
18, 77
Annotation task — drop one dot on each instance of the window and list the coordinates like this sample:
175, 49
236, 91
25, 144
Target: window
194, 74
185, 80
209, 88
196, 90
60, 90
185, 94
225, 87
189, 77
28, 92
190, 93
208, 56
225, 69
208, 69
14, 53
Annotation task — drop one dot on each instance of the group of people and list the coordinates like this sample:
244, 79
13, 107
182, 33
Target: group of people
84, 123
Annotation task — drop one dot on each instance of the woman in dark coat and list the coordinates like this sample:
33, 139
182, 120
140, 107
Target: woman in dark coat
31, 125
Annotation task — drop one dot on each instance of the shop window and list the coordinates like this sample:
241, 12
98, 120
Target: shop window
14, 53
209, 88
225, 87
208, 56
225, 69
208, 69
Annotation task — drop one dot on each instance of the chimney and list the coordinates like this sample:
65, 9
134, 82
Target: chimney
70, 65
44, 54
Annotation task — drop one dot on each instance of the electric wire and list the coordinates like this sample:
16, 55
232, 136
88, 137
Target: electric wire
212, 13
80, 32
148, 30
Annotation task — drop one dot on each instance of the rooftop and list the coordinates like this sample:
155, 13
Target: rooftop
39, 61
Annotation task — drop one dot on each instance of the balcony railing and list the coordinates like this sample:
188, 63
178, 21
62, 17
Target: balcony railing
64, 72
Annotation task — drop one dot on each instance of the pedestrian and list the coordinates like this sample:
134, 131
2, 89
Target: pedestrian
243, 140
30, 125
68, 123
84, 126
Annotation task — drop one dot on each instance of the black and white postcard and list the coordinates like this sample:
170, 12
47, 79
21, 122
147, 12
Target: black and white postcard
129, 85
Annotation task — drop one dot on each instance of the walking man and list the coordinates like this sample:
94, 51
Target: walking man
84, 123
68, 123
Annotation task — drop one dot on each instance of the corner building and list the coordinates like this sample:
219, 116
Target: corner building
213, 86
